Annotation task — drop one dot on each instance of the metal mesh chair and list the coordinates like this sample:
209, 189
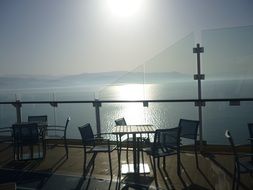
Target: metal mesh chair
124, 138
58, 133
239, 165
94, 144
26, 135
128, 139
166, 143
250, 128
37, 119
6, 135
189, 131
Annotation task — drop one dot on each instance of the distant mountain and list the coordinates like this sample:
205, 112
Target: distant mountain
87, 79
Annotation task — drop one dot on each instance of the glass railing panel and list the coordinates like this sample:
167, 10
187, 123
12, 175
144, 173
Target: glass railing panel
8, 96
167, 115
80, 114
127, 87
30, 95
38, 109
219, 116
169, 74
132, 112
7, 115
227, 62
65, 94
75, 94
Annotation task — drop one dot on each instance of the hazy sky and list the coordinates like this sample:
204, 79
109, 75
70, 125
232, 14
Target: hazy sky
58, 37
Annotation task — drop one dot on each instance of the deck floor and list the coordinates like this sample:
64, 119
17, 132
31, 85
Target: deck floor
215, 172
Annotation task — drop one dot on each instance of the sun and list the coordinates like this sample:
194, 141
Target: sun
124, 8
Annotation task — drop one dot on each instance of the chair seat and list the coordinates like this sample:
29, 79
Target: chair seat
48, 137
102, 148
246, 166
159, 152
130, 138
6, 139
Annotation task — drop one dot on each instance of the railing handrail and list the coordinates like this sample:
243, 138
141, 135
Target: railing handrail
129, 101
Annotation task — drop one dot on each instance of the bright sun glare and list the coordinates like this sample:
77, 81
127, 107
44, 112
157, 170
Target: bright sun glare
125, 8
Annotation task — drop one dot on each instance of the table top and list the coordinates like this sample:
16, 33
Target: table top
132, 129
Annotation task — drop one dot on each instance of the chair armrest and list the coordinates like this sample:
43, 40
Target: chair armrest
240, 145
245, 155
6, 132
55, 128
5, 129
104, 135
99, 134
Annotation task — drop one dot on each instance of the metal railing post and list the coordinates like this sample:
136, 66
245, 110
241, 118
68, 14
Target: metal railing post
199, 103
97, 105
18, 106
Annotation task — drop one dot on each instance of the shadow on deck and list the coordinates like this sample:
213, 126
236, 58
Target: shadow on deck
57, 172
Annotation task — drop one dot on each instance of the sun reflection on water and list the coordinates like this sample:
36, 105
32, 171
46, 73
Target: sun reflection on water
131, 92
134, 112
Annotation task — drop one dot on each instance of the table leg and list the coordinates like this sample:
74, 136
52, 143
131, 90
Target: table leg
135, 154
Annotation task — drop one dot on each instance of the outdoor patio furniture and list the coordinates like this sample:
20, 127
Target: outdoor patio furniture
128, 138
124, 137
240, 166
250, 128
57, 133
41, 120
37, 118
94, 144
189, 131
25, 137
8, 186
166, 143
6, 135
133, 130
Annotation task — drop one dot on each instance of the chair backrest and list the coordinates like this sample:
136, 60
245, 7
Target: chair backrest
167, 137
120, 121
250, 128
86, 134
37, 118
26, 134
188, 128
66, 125
231, 142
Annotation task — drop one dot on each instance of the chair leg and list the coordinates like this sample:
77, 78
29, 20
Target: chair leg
142, 156
234, 177
66, 148
21, 152
84, 164
164, 162
237, 179
154, 170
14, 152
110, 163
196, 155
178, 163
44, 144
127, 159
151, 162
119, 153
